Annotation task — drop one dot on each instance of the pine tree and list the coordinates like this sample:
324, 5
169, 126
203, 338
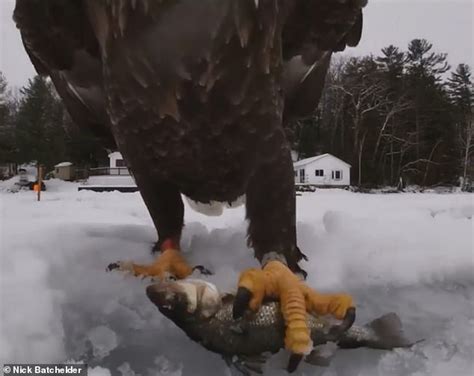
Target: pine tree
391, 65
40, 134
394, 116
461, 87
7, 145
429, 123
391, 138
424, 64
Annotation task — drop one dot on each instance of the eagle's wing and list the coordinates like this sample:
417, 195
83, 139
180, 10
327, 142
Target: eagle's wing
313, 30
61, 44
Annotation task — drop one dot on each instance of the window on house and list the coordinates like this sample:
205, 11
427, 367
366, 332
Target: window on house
319, 172
296, 174
337, 175
120, 163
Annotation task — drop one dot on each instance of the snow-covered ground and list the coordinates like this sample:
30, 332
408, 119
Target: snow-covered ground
408, 253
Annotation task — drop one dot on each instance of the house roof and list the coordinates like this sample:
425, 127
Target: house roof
304, 162
63, 164
115, 154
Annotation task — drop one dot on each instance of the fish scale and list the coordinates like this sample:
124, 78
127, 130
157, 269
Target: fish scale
245, 343
268, 315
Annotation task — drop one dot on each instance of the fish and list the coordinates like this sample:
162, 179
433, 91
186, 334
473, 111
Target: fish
206, 316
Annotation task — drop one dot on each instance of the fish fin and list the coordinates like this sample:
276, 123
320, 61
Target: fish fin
232, 362
322, 355
388, 334
389, 330
247, 365
242, 369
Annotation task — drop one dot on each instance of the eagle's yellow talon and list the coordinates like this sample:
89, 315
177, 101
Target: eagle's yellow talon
170, 263
276, 281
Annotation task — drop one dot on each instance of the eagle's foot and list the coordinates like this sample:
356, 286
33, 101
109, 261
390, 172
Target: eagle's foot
276, 281
170, 264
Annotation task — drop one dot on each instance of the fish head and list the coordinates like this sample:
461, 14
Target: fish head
185, 300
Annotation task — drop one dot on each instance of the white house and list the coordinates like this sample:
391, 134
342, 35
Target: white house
116, 160
322, 170
117, 164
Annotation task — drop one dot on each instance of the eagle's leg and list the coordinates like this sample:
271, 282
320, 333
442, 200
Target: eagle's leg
272, 233
166, 208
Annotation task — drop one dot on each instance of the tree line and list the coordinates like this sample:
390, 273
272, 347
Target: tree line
35, 127
401, 116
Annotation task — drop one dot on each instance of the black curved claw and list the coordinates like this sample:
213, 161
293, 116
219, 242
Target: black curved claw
112, 266
303, 256
203, 270
346, 324
293, 362
241, 302
348, 320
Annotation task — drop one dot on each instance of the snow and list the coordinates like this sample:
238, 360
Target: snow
63, 164
103, 341
409, 253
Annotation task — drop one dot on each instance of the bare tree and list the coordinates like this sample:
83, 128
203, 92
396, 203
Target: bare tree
461, 91
364, 97
466, 141
388, 113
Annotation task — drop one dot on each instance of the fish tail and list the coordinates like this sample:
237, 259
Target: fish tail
385, 332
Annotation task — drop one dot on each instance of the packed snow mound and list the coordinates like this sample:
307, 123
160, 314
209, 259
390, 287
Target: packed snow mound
410, 253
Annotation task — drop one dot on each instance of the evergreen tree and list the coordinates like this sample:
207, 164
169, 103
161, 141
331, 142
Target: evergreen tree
39, 130
390, 132
388, 116
461, 88
391, 65
429, 123
7, 145
425, 64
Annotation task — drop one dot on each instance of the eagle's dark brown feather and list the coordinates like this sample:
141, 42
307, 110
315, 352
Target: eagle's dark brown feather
194, 92
313, 30
60, 42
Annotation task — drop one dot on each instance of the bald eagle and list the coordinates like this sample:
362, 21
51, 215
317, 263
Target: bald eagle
196, 95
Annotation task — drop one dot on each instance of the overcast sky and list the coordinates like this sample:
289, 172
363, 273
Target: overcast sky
448, 24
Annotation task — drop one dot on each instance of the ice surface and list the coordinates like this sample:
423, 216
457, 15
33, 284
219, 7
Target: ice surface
408, 253
103, 340
98, 371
